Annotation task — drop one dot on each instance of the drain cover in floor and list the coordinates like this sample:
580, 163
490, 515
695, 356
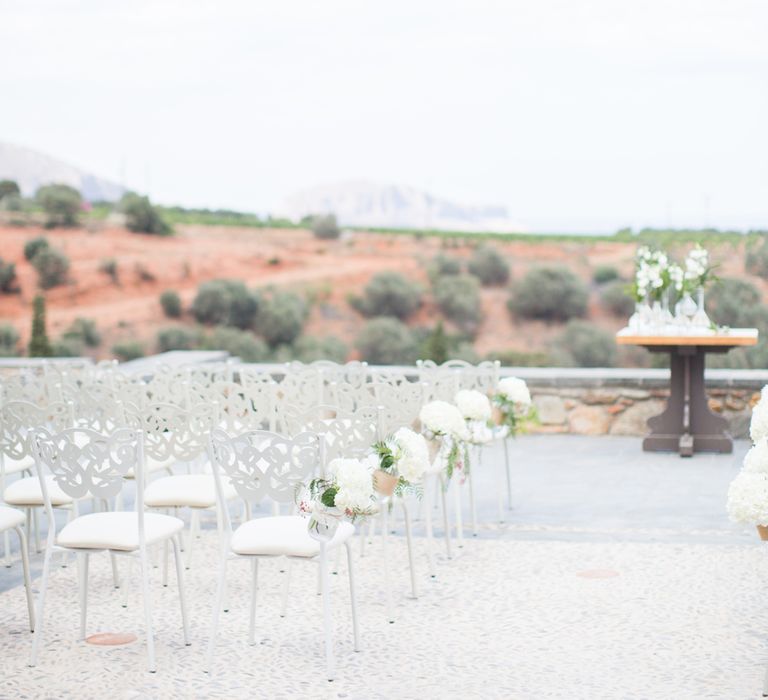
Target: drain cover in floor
111, 639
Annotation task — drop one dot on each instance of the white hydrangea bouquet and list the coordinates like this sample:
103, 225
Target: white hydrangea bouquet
512, 400
347, 493
748, 492
446, 430
403, 459
476, 409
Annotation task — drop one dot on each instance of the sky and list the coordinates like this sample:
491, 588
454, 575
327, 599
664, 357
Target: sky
576, 115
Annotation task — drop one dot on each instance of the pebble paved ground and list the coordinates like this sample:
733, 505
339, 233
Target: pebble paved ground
617, 575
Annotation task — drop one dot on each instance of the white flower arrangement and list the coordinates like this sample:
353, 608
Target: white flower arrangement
513, 399
756, 459
652, 274
404, 454
697, 266
758, 426
441, 418
347, 492
473, 404
442, 423
748, 498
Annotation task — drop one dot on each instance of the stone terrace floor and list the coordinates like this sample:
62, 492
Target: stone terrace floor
616, 575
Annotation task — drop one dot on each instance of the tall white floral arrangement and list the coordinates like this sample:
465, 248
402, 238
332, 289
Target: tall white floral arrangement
444, 426
748, 493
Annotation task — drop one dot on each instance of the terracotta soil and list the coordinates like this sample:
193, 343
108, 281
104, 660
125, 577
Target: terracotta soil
326, 271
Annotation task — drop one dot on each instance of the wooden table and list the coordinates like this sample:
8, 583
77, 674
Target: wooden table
687, 425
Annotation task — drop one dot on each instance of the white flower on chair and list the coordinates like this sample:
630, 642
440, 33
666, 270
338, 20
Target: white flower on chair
474, 405
443, 418
748, 498
514, 390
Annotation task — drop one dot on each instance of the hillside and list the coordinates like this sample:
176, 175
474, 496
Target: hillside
324, 272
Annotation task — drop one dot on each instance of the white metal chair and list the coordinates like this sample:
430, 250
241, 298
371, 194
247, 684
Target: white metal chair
262, 465
86, 463
11, 519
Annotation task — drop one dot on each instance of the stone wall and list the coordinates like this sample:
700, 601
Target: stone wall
619, 402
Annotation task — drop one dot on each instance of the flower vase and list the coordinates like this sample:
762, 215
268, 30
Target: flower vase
384, 483
666, 320
635, 322
656, 316
762, 530
323, 525
700, 319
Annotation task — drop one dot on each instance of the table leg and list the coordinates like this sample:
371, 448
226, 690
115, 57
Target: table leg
687, 425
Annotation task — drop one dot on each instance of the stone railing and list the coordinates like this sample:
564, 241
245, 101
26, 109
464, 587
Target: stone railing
620, 401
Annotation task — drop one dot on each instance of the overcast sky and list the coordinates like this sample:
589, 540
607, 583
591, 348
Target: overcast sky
575, 115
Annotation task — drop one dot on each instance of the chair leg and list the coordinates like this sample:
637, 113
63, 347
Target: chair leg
41, 606
286, 588
115, 570
194, 531
7, 549
385, 557
353, 597
152, 667
29, 526
254, 593
456, 488
180, 583
470, 477
409, 541
82, 561
166, 548
27, 582
509, 473
446, 526
220, 587
36, 525
326, 592
428, 510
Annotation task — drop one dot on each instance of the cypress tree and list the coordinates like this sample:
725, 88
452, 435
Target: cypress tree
39, 346
436, 346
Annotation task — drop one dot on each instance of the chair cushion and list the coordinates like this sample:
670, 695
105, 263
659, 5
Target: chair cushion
10, 517
284, 535
27, 492
152, 466
116, 530
186, 490
14, 466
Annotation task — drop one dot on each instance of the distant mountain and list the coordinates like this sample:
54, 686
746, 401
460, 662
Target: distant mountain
360, 203
31, 169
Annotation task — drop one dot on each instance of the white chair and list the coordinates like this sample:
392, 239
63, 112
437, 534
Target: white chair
262, 465
11, 519
86, 463
17, 419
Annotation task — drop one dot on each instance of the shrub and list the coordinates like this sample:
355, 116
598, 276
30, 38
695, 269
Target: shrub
443, 265
171, 303
458, 297
9, 188
61, 204
38, 342
52, 267
615, 298
489, 266
144, 273
8, 282
386, 341
756, 260
225, 302
520, 358
176, 338
436, 346
84, 330
309, 348
281, 318
109, 267
549, 293
33, 246
605, 273
582, 344
325, 226
67, 347
141, 216
732, 302
128, 350
9, 341
389, 294
238, 343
